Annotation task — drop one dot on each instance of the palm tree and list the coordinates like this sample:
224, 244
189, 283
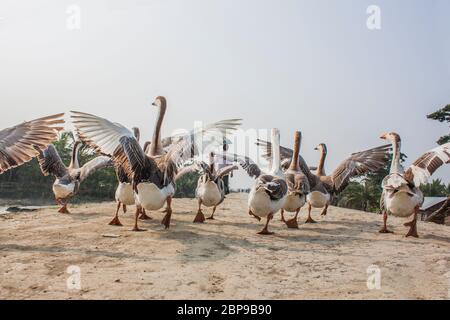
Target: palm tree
360, 195
435, 189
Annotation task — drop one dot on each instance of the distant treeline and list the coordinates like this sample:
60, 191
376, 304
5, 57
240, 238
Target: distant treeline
27, 181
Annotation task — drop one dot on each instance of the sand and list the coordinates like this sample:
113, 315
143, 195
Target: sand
220, 259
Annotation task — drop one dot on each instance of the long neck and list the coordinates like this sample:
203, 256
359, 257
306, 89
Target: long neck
396, 167
155, 146
320, 169
294, 161
275, 151
74, 164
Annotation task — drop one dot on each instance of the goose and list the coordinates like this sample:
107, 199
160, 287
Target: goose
270, 190
298, 186
210, 190
323, 187
23, 142
124, 193
401, 195
153, 177
68, 179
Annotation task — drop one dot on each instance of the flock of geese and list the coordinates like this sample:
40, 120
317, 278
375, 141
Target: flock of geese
147, 175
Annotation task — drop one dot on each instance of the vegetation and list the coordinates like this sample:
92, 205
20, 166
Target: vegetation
442, 115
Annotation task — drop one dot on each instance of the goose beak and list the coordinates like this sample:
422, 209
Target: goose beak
154, 103
383, 136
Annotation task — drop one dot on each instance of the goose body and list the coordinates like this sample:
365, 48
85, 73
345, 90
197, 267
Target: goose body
261, 204
152, 197
65, 188
318, 199
124, 194
401, 194
210, 193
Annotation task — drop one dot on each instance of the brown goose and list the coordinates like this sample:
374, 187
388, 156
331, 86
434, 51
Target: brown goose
324, 187
21, 143
298, 186
401, 195
68, 179
153, 177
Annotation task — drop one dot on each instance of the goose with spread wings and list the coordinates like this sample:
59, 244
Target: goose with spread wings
401, 194
210, 191
270, 190
323, 187
68, 179
153, 177
23, 142
124, 193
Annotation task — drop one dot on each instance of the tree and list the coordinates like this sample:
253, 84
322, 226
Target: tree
435, 188
442, 115
362, 195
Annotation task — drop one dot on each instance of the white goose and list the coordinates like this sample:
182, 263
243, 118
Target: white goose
68, 179
401, 195
153, 177
210, 190
270, 190
298, 186
23, 142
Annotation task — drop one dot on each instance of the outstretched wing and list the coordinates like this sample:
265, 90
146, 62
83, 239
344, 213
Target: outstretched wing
222, 172
422, 169
359, 163
215, 131
95, 164
23, 142
185, 147
252, 169
50, 162
106, 138
99, 133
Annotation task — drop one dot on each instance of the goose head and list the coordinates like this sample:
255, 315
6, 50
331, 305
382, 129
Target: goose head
321, 147
391, 137
160, 102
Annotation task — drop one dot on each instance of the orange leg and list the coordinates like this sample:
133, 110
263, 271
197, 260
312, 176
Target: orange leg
282, 216
144, 215
254, 215
413, 225
136, 218
265, 230
63, 209
310, 220
166, 220
115, 221
211, 217
200, 217
292, 223
385, 229
324, 212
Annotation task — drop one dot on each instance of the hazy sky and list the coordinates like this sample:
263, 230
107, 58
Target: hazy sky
312, 66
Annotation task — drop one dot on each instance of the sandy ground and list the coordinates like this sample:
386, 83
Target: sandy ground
220, 259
